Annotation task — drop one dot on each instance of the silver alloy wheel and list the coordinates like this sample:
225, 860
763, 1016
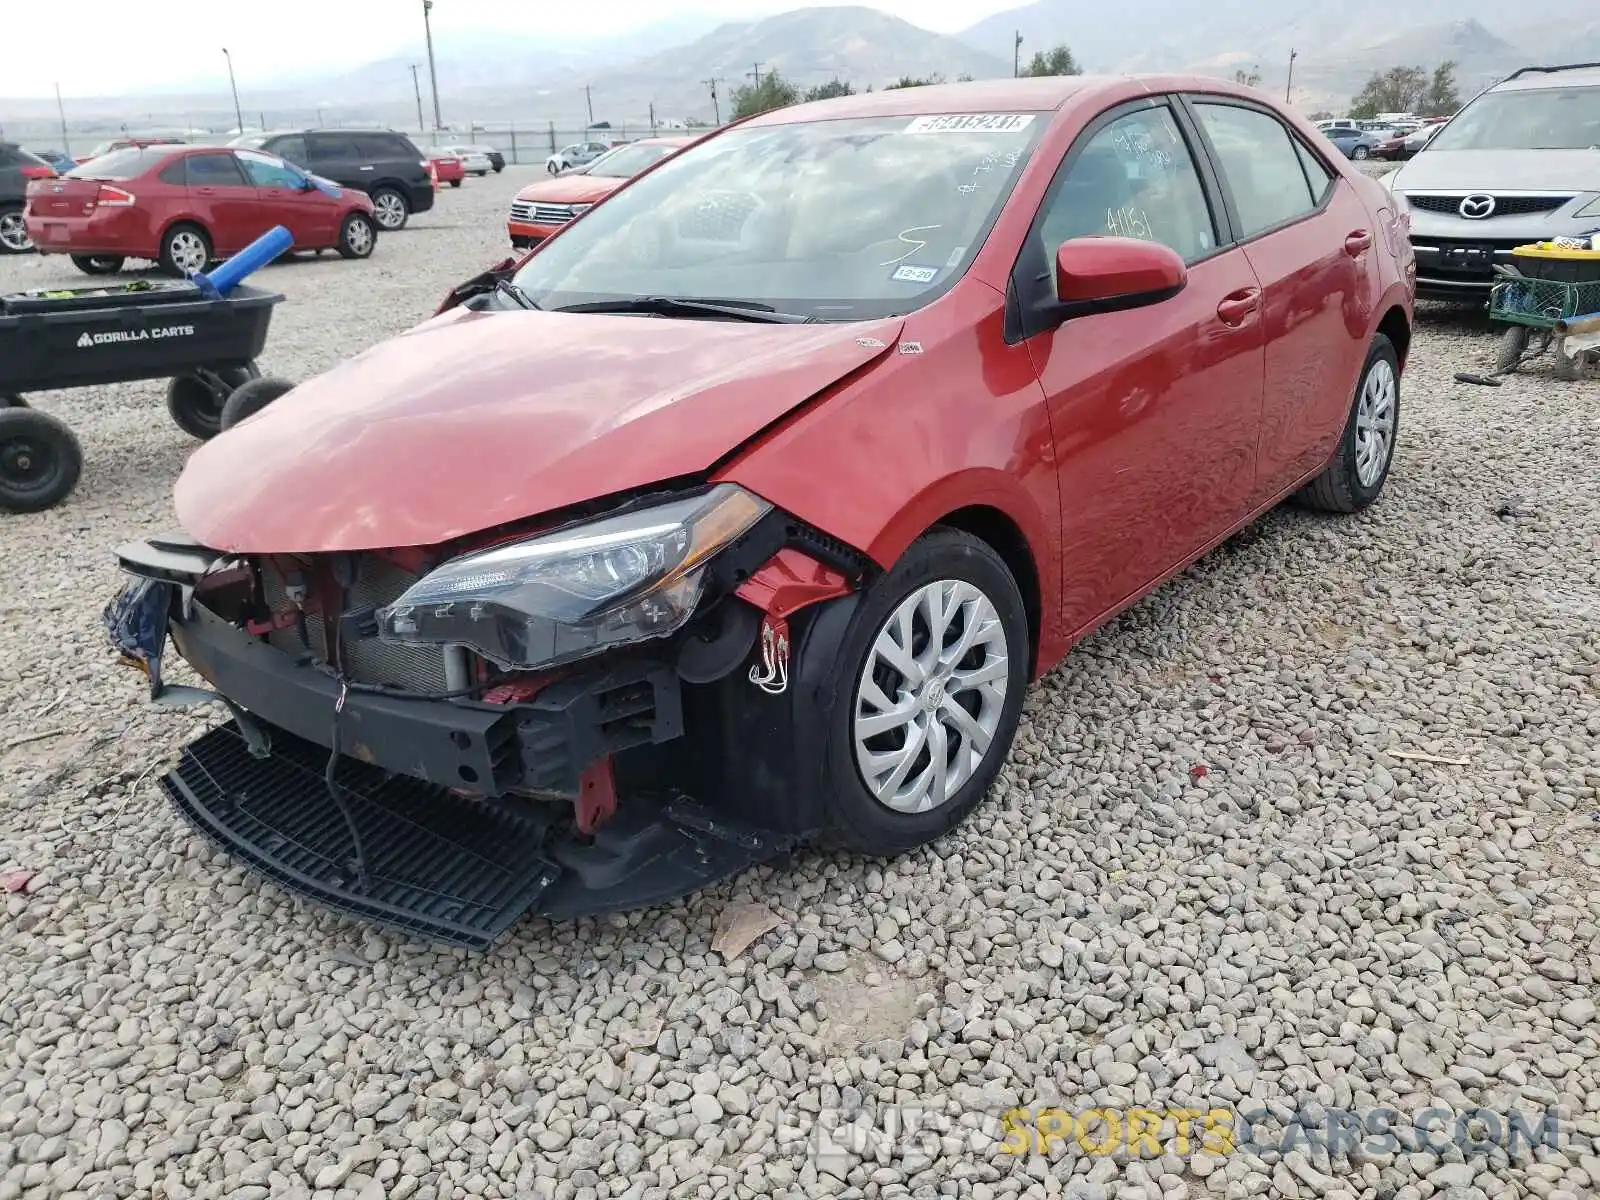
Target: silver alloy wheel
1375, 423
390, 210
930, 696
188, 251
358, 237
14, 232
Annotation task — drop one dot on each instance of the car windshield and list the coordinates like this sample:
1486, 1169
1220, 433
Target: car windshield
839, 220
628, 161
119, 164
1543, 119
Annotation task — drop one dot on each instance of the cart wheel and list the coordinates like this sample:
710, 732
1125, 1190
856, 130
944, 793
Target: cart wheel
8, 400
251, 397
40, 460
195, 399
1512, 344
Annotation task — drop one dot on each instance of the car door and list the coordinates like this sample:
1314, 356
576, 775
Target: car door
222, 198
283, 199
1309, 239
1154, 411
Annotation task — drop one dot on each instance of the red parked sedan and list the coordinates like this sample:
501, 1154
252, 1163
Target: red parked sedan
184, 206
751, 503
447, 168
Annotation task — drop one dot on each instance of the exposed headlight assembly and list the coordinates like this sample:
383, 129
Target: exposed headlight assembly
1591, 209
576, 591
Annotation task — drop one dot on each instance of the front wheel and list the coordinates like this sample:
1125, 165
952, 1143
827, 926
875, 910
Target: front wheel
97, 264
1360, 153
40, 460
390, 208
358, 234
932, 673
1360, 466
196, 399
1513, 343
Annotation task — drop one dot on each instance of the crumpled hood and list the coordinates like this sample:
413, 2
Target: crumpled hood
472, 420
1492, 171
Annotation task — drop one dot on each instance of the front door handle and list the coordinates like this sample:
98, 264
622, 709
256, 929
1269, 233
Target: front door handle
1237, 306
1358, 243
369, 168
205, 191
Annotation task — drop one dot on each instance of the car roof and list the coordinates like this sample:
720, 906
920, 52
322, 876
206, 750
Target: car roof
1531, 79
990, 95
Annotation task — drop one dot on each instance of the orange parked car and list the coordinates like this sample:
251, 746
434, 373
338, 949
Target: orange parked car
544, 207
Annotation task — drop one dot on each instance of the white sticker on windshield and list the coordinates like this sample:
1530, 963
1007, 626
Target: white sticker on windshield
972, 123
910, 274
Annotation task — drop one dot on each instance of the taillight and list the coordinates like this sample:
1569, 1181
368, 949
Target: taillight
426, 163
29, 171
114, 197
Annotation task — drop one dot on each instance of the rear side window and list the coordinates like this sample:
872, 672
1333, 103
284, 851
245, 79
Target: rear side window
381, 145
175, 173
293, 148
1262, 163
214, 170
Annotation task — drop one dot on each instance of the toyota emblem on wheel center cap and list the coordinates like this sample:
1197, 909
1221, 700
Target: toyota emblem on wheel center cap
1477, 207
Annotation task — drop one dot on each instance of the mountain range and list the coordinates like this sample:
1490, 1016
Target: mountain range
669, 68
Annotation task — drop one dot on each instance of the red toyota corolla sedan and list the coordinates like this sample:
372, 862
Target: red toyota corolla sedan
753, 501
185, 206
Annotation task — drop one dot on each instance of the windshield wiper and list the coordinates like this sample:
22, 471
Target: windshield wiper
666, 306
517, 296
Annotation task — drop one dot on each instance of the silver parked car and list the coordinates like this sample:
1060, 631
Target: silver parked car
1520, 163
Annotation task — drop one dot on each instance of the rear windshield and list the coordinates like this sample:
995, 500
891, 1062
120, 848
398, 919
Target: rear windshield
120, 164
628, 161
1544, 119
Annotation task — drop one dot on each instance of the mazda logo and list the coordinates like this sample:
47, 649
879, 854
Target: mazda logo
1476, 208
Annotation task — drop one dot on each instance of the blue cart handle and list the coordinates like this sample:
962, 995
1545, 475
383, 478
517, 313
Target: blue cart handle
228, 275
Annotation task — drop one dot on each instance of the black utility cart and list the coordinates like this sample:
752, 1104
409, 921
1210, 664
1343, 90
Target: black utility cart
83, 337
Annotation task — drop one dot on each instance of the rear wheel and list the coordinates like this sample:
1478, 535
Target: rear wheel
251, 397
933, 670
14, 237
1366, 448
185, 249
40, 460
455, 183
1513, 342
357, 236
97, 264
390, 208
196, 398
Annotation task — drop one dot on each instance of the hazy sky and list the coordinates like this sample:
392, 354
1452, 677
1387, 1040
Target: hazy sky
102, 47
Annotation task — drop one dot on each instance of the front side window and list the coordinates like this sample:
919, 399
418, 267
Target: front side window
264, 170
330, 149
1542, 119
841, 220
291, 148
1135, 177
1262, 164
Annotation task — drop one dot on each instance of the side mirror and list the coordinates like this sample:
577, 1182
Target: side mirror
1109, 274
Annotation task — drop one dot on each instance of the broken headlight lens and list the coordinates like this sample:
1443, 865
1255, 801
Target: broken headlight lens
576, 591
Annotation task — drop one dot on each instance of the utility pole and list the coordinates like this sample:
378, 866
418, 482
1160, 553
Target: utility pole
1288, 88
756, 74
433, 74
652, 118
237, 115
716, 108
588, 98
62, 111
1016, 55
417, 88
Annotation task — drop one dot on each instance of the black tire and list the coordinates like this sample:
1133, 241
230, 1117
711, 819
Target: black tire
391, 208
553, 168
251, 397
40, 460
855, 818
176, 243
1513, 342
455, 183
352, 242
12, 400
195, 399
500, 168
1340, 488
14, 237
98, 264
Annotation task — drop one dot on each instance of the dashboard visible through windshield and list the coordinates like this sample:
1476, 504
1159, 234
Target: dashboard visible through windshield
834, 220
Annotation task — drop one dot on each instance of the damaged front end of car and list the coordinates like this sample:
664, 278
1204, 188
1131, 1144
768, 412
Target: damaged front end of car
595, 714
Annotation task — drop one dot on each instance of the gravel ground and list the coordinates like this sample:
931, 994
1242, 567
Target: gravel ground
1215, 873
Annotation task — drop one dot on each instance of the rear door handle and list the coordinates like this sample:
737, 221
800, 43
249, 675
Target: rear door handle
369, 168
1236, 306
1358, 243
